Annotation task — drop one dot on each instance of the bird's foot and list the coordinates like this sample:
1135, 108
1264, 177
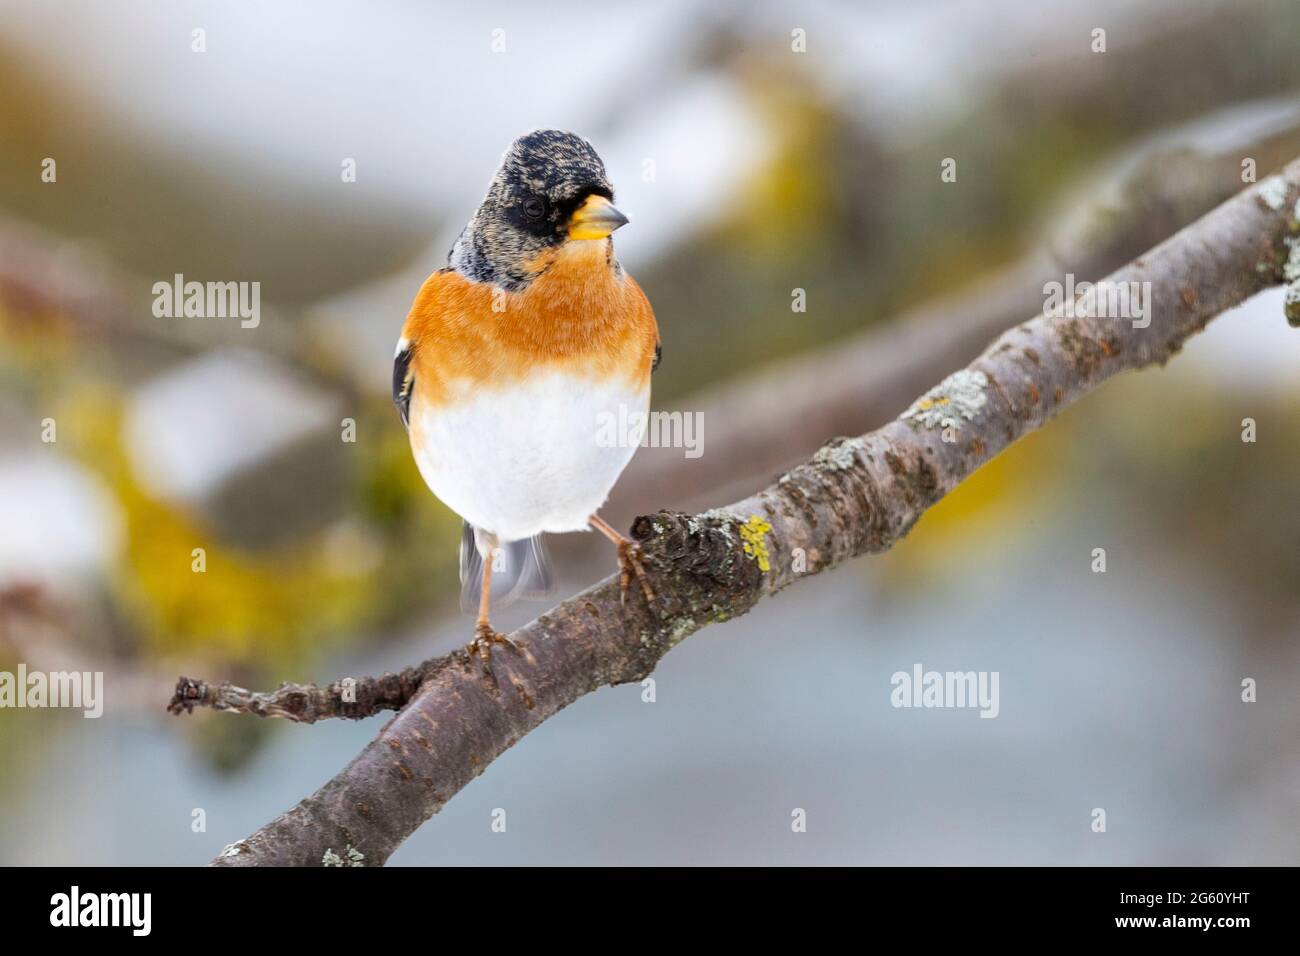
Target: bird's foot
629, 566
484, 638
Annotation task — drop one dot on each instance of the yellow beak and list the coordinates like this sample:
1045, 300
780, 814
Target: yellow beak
596, 218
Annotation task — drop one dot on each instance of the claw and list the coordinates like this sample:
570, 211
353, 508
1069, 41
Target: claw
484, 638
629, 564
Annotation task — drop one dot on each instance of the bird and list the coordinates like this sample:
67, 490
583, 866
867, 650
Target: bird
512, 357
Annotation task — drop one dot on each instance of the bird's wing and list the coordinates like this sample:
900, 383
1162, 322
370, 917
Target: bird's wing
644, 317
403, 380
427, 309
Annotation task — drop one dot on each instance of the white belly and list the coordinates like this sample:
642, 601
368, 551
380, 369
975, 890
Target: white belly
542, 456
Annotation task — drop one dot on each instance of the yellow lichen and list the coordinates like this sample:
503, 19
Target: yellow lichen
754, 535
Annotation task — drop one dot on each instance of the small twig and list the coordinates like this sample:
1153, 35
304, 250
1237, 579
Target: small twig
350, 698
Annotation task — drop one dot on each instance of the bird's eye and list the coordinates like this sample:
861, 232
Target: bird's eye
534, 208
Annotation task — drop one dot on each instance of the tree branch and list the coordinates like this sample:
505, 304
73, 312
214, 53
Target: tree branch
855, 496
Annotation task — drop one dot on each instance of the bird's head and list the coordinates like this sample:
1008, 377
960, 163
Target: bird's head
550, 190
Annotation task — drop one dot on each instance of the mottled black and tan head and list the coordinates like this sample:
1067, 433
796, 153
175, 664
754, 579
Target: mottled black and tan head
550, 189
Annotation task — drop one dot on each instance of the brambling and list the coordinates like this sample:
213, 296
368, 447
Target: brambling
510, 358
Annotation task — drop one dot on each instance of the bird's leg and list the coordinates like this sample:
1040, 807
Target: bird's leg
484, 635
629, 560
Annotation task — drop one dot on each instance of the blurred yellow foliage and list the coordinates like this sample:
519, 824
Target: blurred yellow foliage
262, 607
788, 203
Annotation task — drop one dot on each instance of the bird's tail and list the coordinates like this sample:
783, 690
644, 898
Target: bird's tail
520, 569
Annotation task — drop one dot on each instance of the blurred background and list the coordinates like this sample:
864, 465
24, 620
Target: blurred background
748, 169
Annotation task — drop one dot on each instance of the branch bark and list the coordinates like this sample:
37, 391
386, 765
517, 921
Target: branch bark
855, 496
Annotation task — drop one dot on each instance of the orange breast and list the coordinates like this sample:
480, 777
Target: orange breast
578, 317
